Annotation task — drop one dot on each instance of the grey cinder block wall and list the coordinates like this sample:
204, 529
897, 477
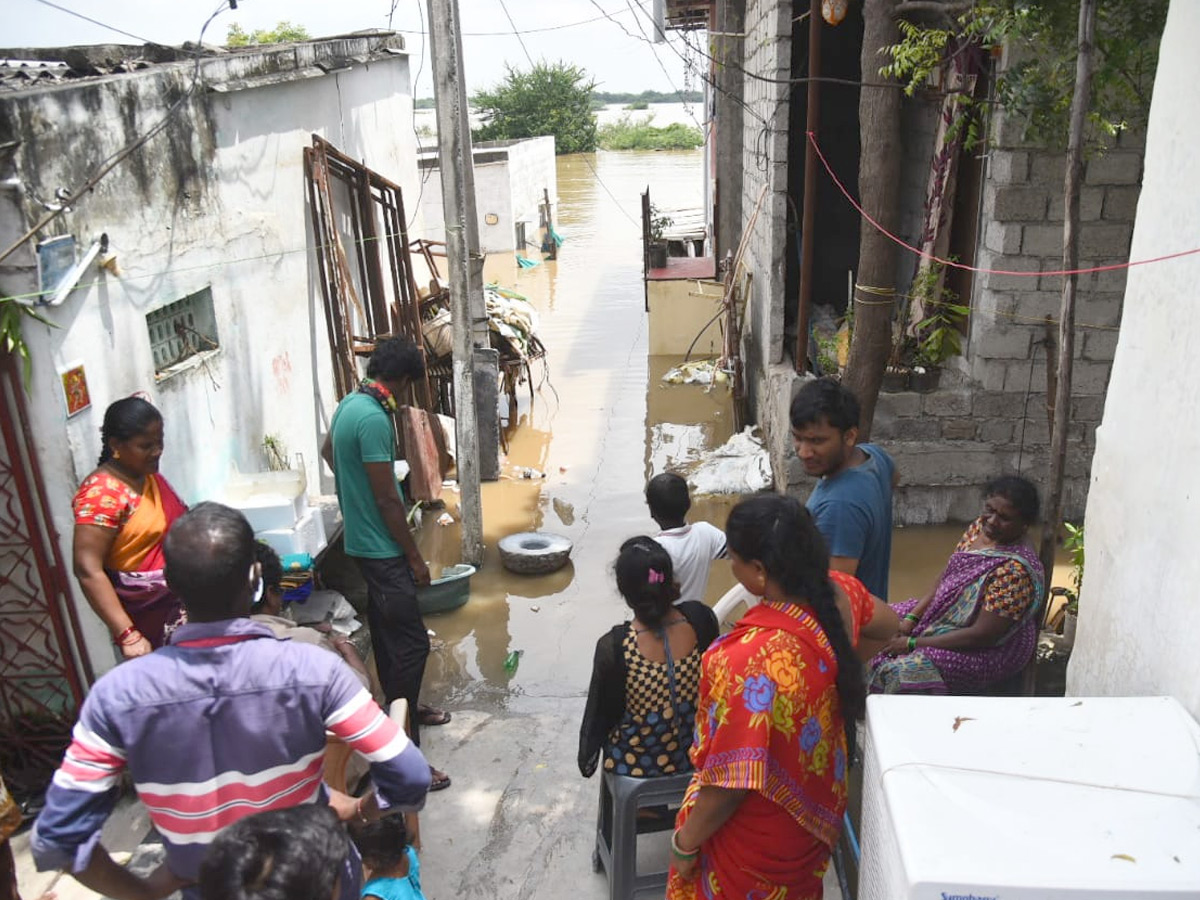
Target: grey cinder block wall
989, 415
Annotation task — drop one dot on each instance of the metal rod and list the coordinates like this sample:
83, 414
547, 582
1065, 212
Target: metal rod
808, 216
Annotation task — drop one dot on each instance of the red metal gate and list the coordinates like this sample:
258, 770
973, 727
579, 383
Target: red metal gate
41, 663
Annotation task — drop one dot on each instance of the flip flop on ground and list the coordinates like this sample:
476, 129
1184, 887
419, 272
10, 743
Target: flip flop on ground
429, 716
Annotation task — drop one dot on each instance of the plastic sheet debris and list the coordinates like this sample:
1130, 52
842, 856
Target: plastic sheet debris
739, 466
445, 519
699, 372
530, 473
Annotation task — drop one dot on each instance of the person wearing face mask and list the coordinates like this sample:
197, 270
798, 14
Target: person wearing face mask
225, 721
978, 626
122, 513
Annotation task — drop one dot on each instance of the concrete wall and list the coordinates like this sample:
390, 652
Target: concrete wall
677, 316
532, 169
1138, 615
726, 128
766, 52
217, 201
510, 177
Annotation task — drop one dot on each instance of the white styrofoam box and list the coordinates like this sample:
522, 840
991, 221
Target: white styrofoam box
307, 536
999, 798
268, 500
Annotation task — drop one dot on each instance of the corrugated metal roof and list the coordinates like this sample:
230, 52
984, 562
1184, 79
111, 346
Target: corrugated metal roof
30, 68
21, 74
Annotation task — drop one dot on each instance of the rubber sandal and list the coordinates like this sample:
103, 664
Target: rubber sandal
430, 716
440, 781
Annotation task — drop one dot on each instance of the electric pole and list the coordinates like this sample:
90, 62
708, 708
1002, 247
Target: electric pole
464, 266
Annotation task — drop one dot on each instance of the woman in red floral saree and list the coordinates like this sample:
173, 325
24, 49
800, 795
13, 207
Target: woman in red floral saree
764, 808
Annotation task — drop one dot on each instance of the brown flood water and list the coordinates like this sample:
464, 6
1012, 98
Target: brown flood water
601, 423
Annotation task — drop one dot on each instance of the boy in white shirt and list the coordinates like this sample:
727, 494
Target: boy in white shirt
692, 548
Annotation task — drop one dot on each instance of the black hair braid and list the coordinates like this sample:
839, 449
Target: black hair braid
781, 534
850, 686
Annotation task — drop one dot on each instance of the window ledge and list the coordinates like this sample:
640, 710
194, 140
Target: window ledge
192, 362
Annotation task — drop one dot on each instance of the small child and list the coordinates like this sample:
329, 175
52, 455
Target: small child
395, 869
299, 853
692, 548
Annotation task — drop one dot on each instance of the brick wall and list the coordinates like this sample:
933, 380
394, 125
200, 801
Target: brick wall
767, 52
989, 415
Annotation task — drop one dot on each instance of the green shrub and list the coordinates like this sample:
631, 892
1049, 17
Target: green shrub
628, 133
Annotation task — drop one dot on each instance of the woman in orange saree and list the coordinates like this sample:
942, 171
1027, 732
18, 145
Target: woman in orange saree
778, 699
122, 513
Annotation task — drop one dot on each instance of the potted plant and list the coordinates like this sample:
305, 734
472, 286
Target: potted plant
919, 353
657, 249
895, 379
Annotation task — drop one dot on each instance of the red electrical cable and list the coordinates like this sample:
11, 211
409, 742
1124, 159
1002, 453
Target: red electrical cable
957, 265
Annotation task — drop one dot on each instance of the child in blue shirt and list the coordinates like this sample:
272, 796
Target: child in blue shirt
395, 869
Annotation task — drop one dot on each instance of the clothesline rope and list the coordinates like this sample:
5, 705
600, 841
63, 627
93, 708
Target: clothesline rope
812, 138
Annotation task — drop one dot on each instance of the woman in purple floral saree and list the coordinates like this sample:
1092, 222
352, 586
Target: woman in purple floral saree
979, 624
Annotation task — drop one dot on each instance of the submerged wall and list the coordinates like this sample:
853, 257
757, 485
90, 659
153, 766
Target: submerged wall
1138, 615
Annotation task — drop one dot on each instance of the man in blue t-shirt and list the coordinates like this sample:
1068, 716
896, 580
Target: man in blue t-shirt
852, 503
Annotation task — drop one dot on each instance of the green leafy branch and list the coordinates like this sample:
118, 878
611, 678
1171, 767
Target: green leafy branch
1037, 85
12, 317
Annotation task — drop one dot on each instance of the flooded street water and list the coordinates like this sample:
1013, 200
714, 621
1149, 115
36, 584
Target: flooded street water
586, 429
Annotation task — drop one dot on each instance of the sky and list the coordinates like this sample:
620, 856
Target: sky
615, 51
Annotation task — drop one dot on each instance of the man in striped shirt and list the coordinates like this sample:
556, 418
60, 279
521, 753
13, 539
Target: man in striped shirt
225, 721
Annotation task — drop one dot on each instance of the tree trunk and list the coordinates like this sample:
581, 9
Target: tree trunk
1080, 103
879, 190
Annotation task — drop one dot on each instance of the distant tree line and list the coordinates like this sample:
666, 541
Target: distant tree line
607, 97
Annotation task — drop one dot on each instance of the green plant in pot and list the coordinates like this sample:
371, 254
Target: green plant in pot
657, 249
938, 338
920, 351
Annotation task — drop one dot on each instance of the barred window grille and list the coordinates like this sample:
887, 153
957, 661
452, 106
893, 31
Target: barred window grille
182, 329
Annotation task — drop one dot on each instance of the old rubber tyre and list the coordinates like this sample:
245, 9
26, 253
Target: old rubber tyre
534, 552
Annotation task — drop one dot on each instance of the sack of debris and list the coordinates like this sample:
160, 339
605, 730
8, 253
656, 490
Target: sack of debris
439, 335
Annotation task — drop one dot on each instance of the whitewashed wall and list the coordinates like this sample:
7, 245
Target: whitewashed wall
1139, 616
217, 201
509, 179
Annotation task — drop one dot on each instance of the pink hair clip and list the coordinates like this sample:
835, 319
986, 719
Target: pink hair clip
656, 577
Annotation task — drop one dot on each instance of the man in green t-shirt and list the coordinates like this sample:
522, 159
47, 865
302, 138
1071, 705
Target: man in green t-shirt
361, 450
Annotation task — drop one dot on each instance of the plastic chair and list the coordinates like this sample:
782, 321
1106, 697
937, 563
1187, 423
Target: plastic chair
731, 601
618, 826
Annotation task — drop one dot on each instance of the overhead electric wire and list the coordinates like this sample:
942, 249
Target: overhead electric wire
121, 155
416, 210
104, 25
517, 34
521, 31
